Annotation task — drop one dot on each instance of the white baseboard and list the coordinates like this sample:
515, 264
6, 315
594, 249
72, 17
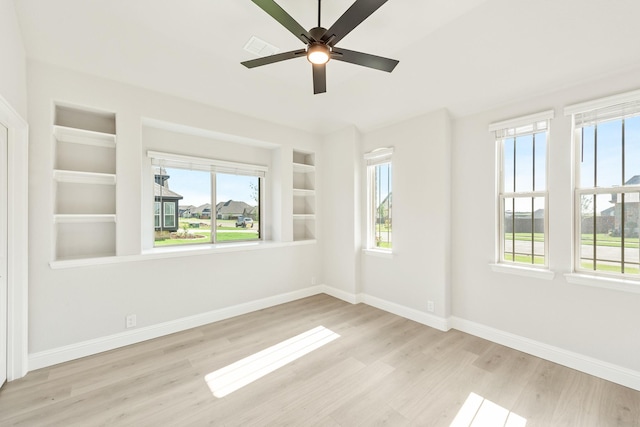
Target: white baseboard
626, 377
343, 295
431, 320
86, 348
608, 371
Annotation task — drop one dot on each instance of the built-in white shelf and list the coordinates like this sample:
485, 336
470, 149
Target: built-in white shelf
78, 177
83, 173
301, 192
82, 136
304, 216
303, 168
83, 218
304, 192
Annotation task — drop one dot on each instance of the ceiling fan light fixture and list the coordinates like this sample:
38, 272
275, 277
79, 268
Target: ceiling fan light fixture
318, 54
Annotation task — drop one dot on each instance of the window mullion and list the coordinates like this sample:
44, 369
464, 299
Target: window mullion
533, 228
214, 211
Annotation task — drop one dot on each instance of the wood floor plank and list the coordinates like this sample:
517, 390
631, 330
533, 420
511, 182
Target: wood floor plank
382, 370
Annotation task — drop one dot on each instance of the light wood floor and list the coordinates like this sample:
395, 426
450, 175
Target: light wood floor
383, 370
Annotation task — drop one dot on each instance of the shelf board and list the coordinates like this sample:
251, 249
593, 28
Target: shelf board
301, 192
300, 167
86, 137
304, 216
83, 218
78, 177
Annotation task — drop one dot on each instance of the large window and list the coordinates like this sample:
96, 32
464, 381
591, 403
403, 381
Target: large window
379, 199
185, 189
522, 189
607, 193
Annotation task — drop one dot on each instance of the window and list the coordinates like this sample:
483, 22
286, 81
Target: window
379, 199
184, 188
156, 213
522, 189
169, 214
607, 186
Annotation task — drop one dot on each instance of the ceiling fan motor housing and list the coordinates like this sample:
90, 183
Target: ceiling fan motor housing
317, 33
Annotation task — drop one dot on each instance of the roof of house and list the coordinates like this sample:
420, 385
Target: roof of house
164, 192
202, 208
232, 207
634, 180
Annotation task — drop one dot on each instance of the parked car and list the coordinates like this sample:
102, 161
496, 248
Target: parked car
244, 221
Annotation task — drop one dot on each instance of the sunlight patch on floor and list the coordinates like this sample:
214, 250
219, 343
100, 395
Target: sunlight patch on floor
480, 412
237, 375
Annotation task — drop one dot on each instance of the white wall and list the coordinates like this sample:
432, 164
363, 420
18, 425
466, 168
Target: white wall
341, 211
599, 323
13, 80
74, 305
419, 269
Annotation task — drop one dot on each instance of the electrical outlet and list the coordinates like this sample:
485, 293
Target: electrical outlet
314, 281
430, 307
130, 320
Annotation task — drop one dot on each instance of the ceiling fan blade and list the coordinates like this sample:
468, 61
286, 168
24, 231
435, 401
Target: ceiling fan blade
319, 78
274, 58
364, 59
279, 14
358, 12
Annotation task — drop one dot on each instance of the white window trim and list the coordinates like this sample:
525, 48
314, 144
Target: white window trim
523, 270
604, 282
374, 158
379, 252
512, 266
180, 161
596, 104
546, 115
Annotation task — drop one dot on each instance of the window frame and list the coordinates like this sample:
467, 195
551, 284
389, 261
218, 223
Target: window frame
594, 112
171, 214
157, 214
213, 167
374, 159
514, 128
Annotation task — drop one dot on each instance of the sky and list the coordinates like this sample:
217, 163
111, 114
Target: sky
609, 161
195, 187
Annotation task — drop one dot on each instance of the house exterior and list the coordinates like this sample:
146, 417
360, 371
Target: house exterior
232, 210
385, 210
629, 221
202, 211
186, 211
165, 209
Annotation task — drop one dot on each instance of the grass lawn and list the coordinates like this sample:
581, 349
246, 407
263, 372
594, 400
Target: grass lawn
524, 259
223, 234
526, 237
610, 267
611, 241
226, 237
220, 237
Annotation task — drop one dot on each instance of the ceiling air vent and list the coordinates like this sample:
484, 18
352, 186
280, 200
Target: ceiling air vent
260, 47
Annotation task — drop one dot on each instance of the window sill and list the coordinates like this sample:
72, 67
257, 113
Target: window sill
378, 253
537, 273
176, 252
603, 282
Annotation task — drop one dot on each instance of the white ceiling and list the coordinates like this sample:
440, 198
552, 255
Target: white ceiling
464, 55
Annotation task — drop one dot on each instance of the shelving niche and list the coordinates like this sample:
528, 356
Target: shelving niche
304, 196
84, 180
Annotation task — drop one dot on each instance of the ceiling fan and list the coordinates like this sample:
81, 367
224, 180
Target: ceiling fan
321, 43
